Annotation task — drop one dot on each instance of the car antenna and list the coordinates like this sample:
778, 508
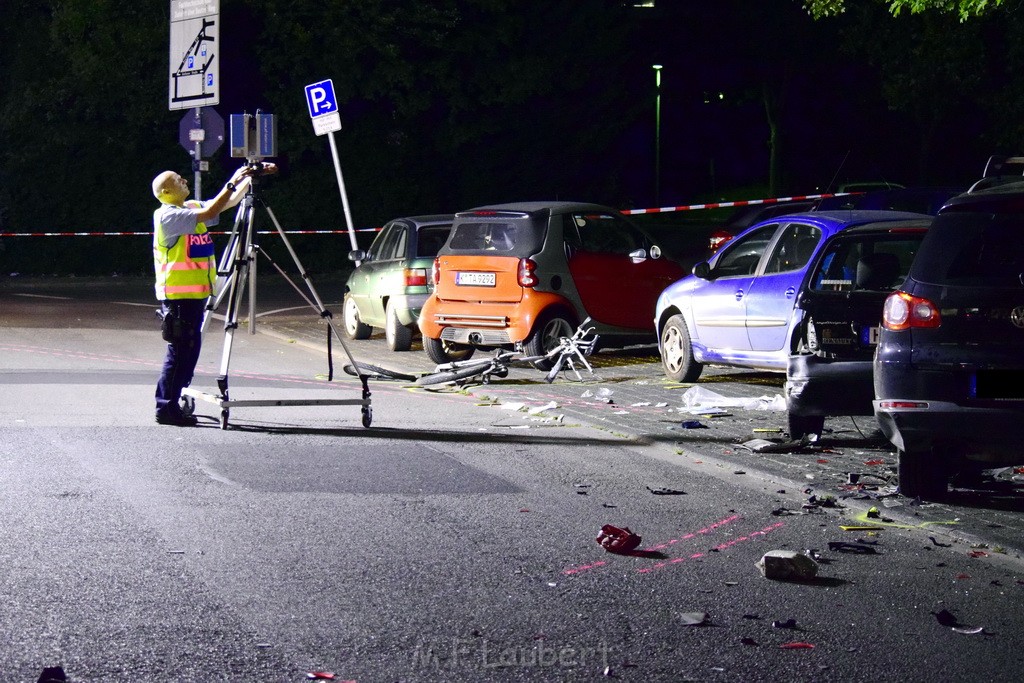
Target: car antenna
838, 170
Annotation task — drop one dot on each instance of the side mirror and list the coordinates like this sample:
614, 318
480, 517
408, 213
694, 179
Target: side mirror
702, 270
638, 256
357, 255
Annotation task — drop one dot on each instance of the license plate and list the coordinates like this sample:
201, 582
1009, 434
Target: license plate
869, 335
999, 384
475, 279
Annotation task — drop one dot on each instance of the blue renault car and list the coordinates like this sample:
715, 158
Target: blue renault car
737, 308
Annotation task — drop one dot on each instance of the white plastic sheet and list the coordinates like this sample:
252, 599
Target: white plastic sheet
698, 400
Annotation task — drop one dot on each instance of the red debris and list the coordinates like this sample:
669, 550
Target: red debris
616, 540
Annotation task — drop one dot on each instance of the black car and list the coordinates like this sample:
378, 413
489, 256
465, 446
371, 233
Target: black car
949, 368
841, 304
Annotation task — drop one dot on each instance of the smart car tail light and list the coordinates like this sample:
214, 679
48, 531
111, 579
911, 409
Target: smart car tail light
526, 276
415, 277
903, 311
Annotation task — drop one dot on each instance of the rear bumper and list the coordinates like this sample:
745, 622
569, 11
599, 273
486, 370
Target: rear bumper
817, 386
408, 307
986, 434
487, 324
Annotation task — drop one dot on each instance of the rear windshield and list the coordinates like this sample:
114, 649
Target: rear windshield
500, 236
431, 239
866, 262
973, 250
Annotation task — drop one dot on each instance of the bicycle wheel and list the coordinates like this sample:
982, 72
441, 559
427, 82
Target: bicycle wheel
455, 375
378, 372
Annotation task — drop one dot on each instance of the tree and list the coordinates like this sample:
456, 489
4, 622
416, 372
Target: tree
963, 8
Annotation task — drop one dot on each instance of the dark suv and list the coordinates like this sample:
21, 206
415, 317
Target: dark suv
949, 368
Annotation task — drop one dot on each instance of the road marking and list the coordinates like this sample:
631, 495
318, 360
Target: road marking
44, 296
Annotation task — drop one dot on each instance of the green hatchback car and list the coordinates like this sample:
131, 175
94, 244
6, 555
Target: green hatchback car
393, 279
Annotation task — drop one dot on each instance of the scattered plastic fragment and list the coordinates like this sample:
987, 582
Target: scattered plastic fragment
693, 424
797, 646
749, 641
642, 404
540, 409
858, 548
977, 553
788, 623
969, 630
53, 674
616, 540
321, 675
872, 463
859, 528
873, 513
694, 618
787, 565
662, 491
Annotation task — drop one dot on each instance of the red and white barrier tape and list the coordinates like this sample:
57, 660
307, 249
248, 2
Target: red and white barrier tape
745, 202
664, 209
150, 234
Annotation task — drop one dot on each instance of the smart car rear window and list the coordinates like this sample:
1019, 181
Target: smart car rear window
498, 236
973, 250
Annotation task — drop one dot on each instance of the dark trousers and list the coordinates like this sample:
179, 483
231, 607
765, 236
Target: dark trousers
182, 354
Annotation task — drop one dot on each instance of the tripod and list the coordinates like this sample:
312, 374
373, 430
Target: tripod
236, 272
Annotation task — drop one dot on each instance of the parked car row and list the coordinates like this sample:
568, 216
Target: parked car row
915, 319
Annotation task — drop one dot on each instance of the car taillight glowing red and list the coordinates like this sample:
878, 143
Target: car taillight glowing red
903, 312
435, 271
526, 277
415, 277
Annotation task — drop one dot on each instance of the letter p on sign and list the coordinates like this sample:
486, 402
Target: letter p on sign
320, 98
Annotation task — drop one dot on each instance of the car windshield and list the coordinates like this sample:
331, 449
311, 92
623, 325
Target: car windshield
866, 262
500, 236
974, 249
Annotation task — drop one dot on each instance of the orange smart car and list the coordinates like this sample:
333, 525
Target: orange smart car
522, 275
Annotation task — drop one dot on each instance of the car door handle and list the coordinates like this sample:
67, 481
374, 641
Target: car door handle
739, 294
790, 292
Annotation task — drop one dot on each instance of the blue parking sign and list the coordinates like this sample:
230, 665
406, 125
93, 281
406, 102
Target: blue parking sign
320, 98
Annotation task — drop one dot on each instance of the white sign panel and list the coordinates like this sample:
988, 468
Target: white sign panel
329, 123
194, 67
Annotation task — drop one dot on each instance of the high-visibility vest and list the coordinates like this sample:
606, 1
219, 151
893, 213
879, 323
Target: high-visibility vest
188, 268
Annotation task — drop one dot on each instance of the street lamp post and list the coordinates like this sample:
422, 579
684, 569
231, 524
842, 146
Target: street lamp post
657, 134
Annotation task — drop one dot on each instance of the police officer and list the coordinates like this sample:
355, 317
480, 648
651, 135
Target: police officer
186, 269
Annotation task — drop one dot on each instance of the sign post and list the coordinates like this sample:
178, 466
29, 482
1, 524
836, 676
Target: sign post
201, 130
323, 109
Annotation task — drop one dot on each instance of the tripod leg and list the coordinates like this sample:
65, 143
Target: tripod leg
316, 303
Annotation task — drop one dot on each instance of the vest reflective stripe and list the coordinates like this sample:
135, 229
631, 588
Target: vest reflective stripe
186, 269
191, 265
183, 289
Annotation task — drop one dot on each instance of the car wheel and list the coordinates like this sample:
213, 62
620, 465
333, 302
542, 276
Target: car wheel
801, 425
923, 473
354, 327
546, 335
397, 335
677, 352
443, 351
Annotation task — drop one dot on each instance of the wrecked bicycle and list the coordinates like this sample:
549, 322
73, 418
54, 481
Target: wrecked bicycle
569, 353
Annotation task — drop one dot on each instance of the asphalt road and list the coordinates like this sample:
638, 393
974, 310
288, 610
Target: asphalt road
454, 539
